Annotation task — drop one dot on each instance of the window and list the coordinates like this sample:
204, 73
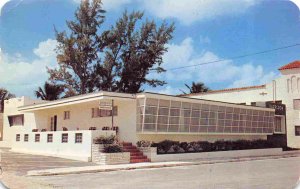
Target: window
26, 138
96, 112
64, 138
37, 137
296, 103
16, 120
50, 138
66, 115
78, 138
279, 123
297, 130
18, 137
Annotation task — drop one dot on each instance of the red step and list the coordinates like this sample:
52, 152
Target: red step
136, 156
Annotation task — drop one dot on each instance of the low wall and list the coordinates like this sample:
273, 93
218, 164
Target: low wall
151, 153
108, 158
70, 149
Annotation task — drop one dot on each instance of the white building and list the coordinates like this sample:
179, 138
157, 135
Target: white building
283, 90
67, 127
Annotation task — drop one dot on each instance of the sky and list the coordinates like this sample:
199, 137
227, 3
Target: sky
206, 31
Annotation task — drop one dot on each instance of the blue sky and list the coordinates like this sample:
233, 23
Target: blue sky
205, 31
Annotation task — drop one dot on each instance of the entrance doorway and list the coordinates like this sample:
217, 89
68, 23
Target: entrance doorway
53, 123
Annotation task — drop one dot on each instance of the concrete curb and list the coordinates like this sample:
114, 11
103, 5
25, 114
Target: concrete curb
123, 167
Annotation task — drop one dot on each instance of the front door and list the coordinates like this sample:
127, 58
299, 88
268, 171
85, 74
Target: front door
53, 123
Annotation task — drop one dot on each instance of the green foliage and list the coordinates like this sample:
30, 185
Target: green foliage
4, 95
168, 146
118, 59
143, 143
105, 140
77, 49
198, 87
49, 92
131, 53
112, 148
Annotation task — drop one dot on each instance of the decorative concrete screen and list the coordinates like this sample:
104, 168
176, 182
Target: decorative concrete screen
158, 115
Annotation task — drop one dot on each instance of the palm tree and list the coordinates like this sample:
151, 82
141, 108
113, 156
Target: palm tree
4, 95
198, 87
50, 91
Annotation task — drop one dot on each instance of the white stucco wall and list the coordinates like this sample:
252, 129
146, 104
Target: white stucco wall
10, 109
70, 150
285, 88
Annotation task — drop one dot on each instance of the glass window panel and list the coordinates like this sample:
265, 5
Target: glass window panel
212, 115
152, 101
187, 113
150, 119
174, 120
249, 112
227, 130
186, 105
175, 104
255, 112
195, 121
175, 112
184, 128
243, 111
237, 110
205, 107
221, 122
151, 110
164, 103
221, 115
235, 123
194, 129
212, 122
203, 129
229, 116
220, 129
149, 127
236, 116
229, 109
204, 114
204, 122
162, 127
195, 113
222, 108
162, 119
163, 111
214, 108
196, 106
228, 123
173, 128
235, 130
187, 121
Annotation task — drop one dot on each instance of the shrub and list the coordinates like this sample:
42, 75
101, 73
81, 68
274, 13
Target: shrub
112, 148
168, 146
164, 146
143, 143
105, 140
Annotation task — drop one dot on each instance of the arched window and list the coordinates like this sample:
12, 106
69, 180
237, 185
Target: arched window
288, 85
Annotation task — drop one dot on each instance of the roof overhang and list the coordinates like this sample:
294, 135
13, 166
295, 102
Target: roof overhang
78, 100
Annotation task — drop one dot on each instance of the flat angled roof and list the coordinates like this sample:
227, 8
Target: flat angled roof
77, 99
227, 90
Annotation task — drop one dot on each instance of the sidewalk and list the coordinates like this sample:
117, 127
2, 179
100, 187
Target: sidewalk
107, 168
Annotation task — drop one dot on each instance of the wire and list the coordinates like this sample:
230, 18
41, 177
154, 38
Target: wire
234, 57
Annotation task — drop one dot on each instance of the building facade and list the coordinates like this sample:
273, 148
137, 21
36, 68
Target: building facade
67, 127
282, 93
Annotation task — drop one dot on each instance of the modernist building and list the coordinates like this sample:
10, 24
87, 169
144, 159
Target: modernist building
67, 127
281, 93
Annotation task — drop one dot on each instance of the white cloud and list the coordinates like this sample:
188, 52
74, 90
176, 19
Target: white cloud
189, 11
296, 2
23, 77
226, 73
2, 3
